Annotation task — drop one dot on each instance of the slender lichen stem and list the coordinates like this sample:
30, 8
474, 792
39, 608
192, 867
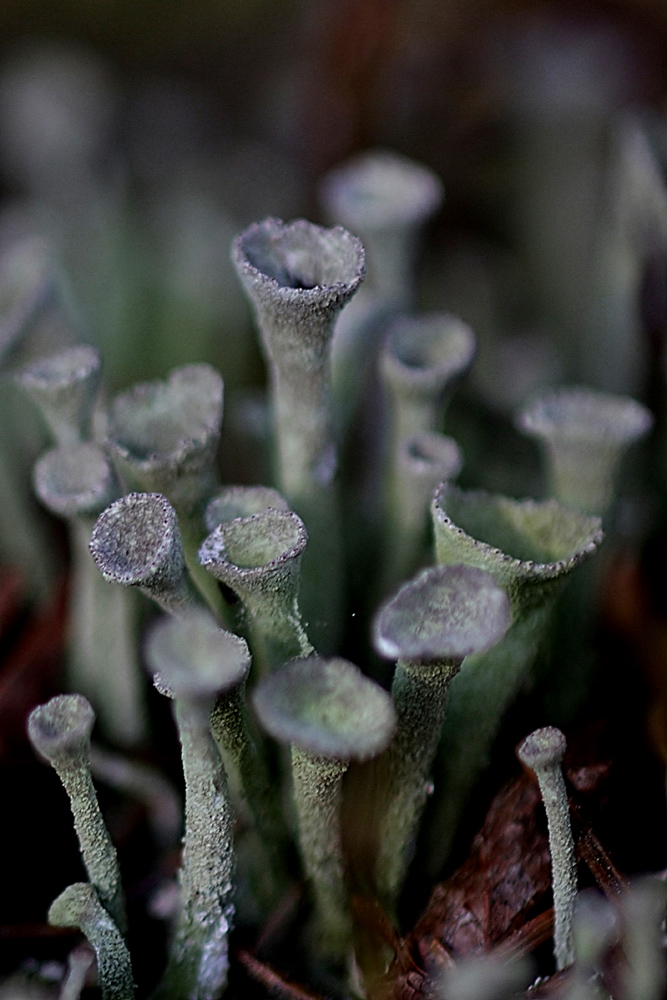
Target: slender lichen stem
318, 786
60, 731
78, 906
198, 961
420, 693
542, 752
233, 733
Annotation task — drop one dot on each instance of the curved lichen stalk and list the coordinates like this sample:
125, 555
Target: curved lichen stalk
65, 386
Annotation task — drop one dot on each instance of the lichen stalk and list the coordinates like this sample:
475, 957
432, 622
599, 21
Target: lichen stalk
60, 731
78, 906
542, 752
420, 694
317, 784
233, 733
198, 959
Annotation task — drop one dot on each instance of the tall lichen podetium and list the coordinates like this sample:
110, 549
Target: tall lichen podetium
259, 557
543, 752
434, 621
136, 542
298, 277
77, 482
530, 548
195, 664
60, 731
163, 438
329, 714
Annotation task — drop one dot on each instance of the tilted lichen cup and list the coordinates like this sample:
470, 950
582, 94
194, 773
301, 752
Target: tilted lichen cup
77, 482
298, 277
136, 542
65, 386
530, 548
434, 621
196, 662
584, 435
330, 714
259, 557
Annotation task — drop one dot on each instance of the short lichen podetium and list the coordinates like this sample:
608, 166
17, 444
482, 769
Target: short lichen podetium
136, 542
330, 714
584, 435
298, 277
60, 731
195, 662
386, 199
424, 460
259, 557
79, 906
434, 621
530, 548
65, 387
422, 359
543, 752
76, 482
163, 438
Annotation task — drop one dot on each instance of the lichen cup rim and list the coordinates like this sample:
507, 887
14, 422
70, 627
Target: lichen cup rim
214, 550
581, 414
161, 548
423, 452
352, 187
194, 656
326, 707
245, 500
513, 566
75, 480
272, 236
63, 368
122, 440
444, 613
62, 724
420, 350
